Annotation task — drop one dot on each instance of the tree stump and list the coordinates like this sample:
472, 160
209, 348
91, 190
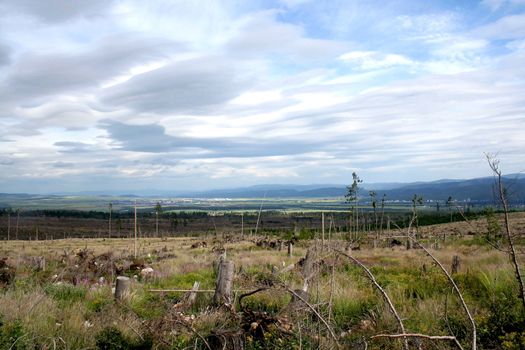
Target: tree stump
308, 270
122, 288
223, 289
290, 249
193, 294
455, 264
40, 263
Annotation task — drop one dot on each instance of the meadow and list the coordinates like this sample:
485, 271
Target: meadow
59, 294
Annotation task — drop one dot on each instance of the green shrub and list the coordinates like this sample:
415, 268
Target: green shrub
350, 312
97, 302
504, 322
148, 305
66, 293
12, 336
111, 338
513, 341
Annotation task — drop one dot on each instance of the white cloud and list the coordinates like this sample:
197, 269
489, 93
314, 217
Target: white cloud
370, 60
508, 27
231, 93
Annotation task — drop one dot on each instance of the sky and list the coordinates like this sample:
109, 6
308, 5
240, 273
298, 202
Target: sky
199, 94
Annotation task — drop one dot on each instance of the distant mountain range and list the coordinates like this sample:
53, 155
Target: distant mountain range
479, 189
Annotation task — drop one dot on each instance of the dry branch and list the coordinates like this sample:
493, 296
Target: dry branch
420, 336
321, 318
381, 290
455, 287
494, 166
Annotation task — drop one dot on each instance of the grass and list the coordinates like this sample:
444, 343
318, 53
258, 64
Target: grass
42, 313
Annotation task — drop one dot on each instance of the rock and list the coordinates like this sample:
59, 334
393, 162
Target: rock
147, 272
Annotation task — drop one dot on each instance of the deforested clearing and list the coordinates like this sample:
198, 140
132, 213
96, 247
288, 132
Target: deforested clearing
61, 293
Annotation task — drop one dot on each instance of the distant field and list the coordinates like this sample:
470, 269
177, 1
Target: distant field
101, 203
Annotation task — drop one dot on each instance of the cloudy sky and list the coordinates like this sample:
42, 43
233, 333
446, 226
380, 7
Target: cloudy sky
199, 94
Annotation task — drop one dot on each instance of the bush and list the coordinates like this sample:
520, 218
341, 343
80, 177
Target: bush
112, 339
12, 336
504, 323
66, 293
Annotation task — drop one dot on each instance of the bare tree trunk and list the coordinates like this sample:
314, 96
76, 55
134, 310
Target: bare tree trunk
455, 264
223, 289
242, 224
17, 221
375, 223
259, 215
135, 238
382, 216
109, 223
322, 230
494, 165
356, 219
455, 287
192, 296
157, 224
332, 286
8, 226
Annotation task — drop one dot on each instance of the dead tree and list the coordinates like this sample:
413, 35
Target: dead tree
322, 230
223, 289
383, 293
9, 225
242, 225
110, 208
308, 271
17, 221
455, 287
502, 194
135, 238
455, 264
382, 213
259, 214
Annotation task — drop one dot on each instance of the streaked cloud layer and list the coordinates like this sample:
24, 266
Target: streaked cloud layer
196, 94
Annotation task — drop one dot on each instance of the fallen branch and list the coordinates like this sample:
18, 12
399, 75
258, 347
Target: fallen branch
193, 291
332, 334
414, 335
419, 336
242, 296
455, 287
381, 290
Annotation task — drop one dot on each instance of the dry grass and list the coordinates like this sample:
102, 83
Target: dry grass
416, 286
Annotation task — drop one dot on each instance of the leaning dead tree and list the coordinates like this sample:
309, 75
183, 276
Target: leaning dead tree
456, 289
382, 291
412, 240
404, 335
502, 196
